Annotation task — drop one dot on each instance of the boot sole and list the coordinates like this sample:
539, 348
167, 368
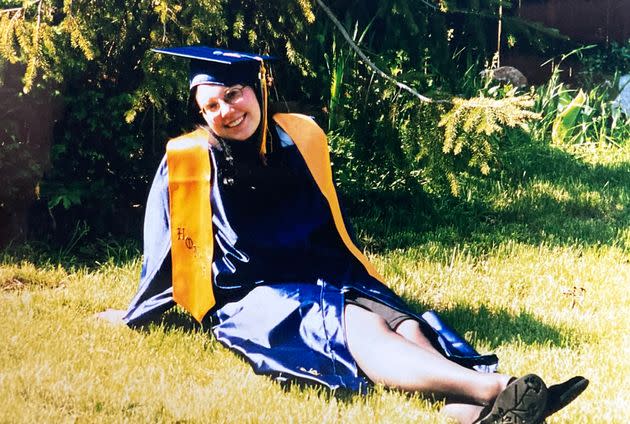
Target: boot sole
522, 402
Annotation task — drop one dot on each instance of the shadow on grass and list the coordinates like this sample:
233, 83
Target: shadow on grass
500, 326
89, 255
542, 195
176, 319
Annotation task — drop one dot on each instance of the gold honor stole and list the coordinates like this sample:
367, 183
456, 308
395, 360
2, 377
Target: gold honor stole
191, 217
191, 222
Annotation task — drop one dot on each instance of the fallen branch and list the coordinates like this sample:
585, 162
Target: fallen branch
369, 63
19, 9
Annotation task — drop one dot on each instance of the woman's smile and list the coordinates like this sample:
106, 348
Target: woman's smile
236, 122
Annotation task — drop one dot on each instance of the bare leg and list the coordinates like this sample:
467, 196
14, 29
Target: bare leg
407, 361
462, 412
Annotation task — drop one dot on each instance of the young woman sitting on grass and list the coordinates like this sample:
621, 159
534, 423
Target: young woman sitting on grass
243, 229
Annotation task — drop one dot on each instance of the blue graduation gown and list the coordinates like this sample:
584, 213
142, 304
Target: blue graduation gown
280, 272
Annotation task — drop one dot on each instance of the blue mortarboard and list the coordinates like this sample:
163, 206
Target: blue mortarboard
218, 66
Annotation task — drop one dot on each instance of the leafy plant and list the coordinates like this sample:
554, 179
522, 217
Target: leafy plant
578, 116
586, 115
565, 119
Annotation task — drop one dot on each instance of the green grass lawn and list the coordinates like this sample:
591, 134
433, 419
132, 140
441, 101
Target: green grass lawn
533, 265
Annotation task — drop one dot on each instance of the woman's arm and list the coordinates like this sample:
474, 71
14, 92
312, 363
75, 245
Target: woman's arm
155, 292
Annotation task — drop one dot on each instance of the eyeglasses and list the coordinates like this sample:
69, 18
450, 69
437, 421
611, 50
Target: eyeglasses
230, 96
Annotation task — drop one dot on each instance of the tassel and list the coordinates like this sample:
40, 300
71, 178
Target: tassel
262, 76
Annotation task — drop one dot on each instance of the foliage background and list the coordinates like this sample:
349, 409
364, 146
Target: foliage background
87, 108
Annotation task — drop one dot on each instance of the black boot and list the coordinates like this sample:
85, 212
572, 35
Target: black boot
523, 401
560, 395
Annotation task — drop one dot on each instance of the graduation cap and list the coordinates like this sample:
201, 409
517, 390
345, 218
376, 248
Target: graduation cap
218, 66
226, 67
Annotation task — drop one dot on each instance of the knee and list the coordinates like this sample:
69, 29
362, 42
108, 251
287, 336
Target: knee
409, 329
